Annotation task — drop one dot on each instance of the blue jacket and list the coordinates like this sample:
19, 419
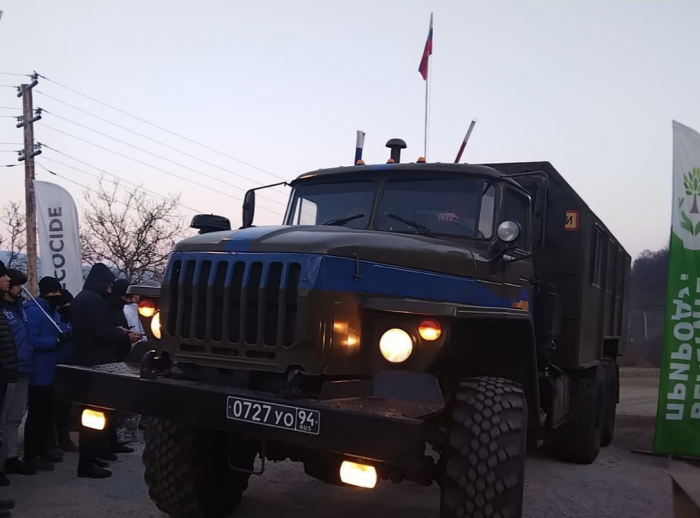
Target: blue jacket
17, 319
43, 337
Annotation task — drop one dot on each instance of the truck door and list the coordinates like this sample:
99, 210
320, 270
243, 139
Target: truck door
518, 277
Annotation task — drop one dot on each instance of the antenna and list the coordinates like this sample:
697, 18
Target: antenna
464, 142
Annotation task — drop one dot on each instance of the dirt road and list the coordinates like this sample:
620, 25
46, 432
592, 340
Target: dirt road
620, 484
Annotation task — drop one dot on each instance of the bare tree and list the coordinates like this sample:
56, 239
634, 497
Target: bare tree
133, 232
14, 221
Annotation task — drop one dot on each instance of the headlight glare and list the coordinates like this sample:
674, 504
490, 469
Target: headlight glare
155, 325
396, 345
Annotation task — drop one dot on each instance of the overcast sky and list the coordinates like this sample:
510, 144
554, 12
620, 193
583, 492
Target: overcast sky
590, 86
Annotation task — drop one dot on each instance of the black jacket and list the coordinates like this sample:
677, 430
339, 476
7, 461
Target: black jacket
95, 338
8, 351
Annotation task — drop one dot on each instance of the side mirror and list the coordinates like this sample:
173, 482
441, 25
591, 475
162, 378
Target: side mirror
248, 209
509, 231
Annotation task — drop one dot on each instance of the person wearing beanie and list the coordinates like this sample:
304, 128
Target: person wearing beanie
16, 398
8, 369
96, 340
47, 339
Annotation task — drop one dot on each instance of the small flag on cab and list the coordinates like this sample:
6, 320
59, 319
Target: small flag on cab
360, 143
427, 52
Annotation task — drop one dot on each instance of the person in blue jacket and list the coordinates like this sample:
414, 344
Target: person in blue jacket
47, 339
16, 396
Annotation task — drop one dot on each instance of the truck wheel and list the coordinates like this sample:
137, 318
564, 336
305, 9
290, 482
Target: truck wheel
187, 470
611, 389
483, 466
579, 439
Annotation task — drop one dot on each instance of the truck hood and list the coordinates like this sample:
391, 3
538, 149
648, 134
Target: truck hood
452, 256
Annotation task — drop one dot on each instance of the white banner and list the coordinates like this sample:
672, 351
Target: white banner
59, 237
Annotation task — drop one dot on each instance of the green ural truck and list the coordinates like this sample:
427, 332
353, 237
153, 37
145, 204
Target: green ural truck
408, 321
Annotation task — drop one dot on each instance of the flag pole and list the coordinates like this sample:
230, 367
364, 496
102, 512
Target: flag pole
425, 127
427, 91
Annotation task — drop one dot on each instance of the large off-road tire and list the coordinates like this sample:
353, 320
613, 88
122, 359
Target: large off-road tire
579, 439
188, 473
611, 389
483, 464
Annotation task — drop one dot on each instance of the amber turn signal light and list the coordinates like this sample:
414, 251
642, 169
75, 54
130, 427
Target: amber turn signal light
430, 330
147, 308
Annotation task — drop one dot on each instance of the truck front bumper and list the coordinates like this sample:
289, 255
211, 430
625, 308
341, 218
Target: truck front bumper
382, 426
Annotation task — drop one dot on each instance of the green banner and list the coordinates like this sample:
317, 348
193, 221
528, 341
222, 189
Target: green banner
678, 414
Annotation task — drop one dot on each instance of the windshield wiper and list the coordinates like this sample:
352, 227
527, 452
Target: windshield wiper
417, 226
342, 221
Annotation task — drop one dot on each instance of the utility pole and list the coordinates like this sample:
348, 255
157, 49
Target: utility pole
27, 155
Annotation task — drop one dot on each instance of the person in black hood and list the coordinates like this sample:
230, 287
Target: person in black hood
96, 340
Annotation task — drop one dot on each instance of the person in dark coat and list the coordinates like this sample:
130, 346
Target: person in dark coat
16, 398
47, 340
8, 368
96, 340
62, 409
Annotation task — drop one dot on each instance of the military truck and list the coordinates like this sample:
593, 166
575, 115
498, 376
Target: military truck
408, 321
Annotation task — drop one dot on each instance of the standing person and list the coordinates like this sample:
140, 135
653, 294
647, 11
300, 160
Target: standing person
118, 300
131, 313
16, 398
62, 409
8, 368
96, 340
47, 339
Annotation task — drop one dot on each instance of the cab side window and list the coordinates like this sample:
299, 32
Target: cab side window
516, 207
488, 204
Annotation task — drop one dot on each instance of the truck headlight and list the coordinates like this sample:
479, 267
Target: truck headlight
155, 325
396, 345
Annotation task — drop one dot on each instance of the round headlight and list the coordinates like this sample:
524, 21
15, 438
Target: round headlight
147, 308
155, 325
396, 345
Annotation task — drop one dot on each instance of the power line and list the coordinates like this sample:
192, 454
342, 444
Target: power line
74, 182
9, 108
10, 165
141, 135
138, 187
10, 86
158, 156
145, 164
160, 127
14, 74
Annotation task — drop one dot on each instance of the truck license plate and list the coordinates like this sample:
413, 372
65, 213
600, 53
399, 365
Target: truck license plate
270, 414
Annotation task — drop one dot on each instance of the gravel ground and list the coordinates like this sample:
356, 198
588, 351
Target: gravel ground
620, 484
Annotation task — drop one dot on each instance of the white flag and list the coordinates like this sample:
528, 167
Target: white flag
59, 237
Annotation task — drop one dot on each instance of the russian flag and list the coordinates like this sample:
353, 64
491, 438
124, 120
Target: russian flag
359, 145
427, 52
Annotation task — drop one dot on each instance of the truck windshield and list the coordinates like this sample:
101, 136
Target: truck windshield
347, 204
457, 206
460, 206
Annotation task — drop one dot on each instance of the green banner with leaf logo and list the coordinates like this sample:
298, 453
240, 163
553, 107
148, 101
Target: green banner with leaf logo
678, 414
